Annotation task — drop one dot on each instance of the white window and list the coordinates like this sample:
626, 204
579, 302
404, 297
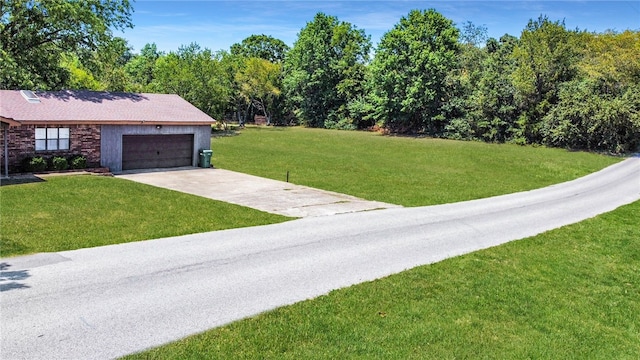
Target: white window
52, 139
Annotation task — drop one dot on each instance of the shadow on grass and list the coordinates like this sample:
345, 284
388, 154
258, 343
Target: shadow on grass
21, 179
10, 280
224, 133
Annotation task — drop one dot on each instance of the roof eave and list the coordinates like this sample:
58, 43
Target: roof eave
114, 122
9, 121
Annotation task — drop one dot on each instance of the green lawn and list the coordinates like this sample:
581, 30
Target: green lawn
72, 212
570, 293
398, 170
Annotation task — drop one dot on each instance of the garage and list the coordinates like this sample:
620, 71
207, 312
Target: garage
156, 151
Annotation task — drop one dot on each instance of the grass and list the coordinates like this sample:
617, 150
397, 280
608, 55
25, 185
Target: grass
66, 213
399, 170
72, 212
570, 293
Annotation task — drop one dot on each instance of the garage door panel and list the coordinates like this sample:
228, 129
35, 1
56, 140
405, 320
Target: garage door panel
150, 164
153, 153
156, 151
151, 147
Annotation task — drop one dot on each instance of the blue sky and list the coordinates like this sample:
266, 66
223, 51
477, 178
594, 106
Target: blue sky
219, 24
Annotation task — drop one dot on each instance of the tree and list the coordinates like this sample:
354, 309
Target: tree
613, 59
259, 82
325, 71
140, 68
102, 69
587, 119
495, 110
462, 82
261, 46
237, 108
34, 34
255, 69
107, 63
80, 78
546, 56
600, 108
472, 34
409, 72
197, 76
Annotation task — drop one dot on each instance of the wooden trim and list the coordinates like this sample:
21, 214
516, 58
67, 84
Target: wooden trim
9, 121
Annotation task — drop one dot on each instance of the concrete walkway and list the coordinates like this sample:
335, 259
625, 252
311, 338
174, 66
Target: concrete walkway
277, 197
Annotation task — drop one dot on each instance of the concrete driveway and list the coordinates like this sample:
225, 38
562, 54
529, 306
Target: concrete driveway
277, 197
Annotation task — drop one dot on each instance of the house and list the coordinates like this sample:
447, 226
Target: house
121, 131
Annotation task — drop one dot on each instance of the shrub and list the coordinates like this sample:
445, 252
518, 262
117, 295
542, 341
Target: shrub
587, 118
60, 163
37, 163
459, 129
25, 164
78, 162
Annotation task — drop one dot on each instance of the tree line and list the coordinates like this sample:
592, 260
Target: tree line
551, 85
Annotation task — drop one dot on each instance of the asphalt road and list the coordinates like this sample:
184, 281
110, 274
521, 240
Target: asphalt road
105, 302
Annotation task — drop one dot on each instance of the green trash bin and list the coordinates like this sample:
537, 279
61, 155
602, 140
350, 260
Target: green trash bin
205, 158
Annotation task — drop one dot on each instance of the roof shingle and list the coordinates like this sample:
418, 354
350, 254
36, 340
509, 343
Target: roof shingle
100, 108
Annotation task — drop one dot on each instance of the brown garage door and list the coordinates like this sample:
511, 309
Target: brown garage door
156, 151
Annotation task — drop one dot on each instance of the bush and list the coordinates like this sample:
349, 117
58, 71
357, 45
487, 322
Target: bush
587, 119
60, 163
78, 162
459, 129
37, 163
25, 164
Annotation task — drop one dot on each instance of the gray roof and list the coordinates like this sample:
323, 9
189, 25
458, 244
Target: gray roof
94, 107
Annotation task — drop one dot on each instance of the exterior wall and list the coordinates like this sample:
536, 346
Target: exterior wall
111, 140
84, 140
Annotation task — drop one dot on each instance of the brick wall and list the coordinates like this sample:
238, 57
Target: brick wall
84, 140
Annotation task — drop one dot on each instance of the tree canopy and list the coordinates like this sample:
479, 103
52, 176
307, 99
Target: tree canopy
599, 109
261, 46
259, 82
34, 34
549, 86
546, 57
195, 74
409, 72
140, 68
325, 71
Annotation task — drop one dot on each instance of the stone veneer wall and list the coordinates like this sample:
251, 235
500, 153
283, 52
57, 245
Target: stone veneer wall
84, 140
